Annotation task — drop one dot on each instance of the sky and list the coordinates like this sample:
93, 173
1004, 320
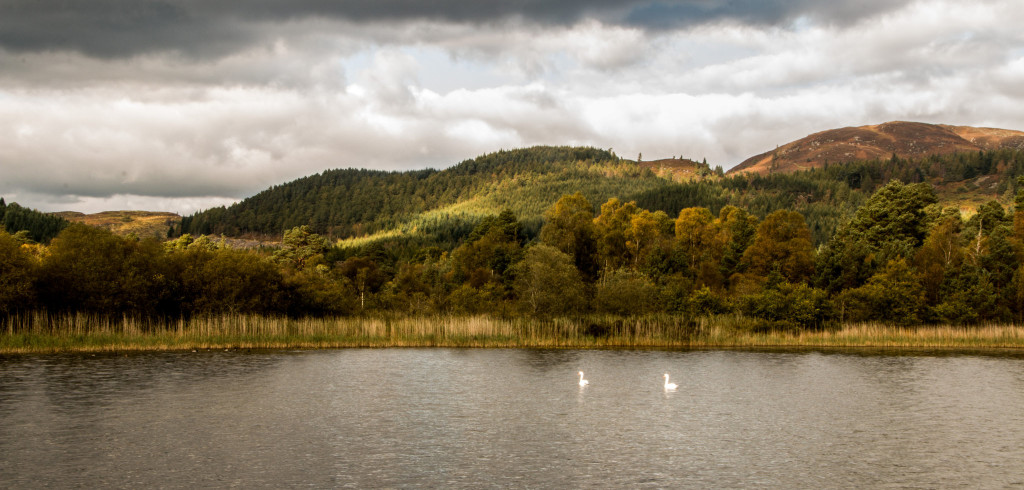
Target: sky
182, 105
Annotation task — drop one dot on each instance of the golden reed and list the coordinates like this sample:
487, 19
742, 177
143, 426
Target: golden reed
43, 333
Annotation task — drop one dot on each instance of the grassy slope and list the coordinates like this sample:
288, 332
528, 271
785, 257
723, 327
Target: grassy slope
141, 223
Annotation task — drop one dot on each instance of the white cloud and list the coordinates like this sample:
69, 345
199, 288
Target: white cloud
183, 134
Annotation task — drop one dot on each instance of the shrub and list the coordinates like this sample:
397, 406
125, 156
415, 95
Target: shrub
625, 292
789, 306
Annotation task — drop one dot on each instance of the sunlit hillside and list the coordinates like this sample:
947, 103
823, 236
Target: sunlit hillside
139, 223
878, 142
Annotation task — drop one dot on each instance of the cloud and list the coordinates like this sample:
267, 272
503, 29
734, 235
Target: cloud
286, 91
668, 14
116, 28
204, 29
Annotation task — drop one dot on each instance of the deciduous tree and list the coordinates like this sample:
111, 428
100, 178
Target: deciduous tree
17, 272
569, 227
782, 241
547, 282
699, 244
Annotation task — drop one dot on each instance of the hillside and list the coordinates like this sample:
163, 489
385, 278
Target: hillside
140, 223
681, 169
878, 142
426, 208
347, 203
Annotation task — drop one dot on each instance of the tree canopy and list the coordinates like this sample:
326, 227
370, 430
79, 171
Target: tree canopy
891, 253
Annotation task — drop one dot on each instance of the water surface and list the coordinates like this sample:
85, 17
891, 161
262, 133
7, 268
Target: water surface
500, 418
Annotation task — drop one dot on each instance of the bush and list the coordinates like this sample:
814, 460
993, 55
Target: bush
625, 292
893, 296
547, 283
788, 306
705, 302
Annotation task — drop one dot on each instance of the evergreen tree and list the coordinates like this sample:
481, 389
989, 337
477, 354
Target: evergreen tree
890, 225
40, 227
894, 295
302, 248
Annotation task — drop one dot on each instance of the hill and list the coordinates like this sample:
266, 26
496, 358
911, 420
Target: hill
411, 210
139, 223
445, 204
907, 140
424, 208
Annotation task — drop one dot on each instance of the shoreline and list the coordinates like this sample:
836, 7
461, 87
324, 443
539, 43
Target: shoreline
931, 350
45, 334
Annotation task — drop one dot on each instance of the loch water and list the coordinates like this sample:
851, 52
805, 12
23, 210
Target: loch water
488, 418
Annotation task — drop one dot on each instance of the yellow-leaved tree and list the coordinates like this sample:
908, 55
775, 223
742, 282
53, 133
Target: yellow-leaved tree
569, 227
17, 272
782, 241
611, 227
699, 244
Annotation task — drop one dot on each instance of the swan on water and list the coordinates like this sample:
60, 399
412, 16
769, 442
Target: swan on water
583, 382
669, 386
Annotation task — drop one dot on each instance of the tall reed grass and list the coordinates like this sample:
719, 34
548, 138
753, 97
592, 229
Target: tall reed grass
41, 332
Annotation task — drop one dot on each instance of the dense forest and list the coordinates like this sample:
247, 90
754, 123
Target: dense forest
869, 241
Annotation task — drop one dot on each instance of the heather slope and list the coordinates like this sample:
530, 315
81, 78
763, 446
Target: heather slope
881, 142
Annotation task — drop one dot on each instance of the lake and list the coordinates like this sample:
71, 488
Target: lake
370, 418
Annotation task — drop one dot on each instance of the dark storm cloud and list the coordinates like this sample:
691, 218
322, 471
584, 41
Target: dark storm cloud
205, 28
669, 14
118, 28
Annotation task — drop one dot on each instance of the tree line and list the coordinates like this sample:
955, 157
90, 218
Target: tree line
899, 258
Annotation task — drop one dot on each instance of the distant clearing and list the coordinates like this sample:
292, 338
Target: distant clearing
142, 223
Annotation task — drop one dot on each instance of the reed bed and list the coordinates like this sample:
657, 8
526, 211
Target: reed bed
42, 333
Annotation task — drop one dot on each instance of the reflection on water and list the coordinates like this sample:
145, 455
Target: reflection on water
471, 418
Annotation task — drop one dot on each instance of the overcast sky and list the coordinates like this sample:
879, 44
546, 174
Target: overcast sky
180, 105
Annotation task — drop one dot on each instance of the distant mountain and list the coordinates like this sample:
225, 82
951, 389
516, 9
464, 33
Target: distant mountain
878, 142
143, 224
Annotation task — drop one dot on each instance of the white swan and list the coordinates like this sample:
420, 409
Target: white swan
583, 382
669, 386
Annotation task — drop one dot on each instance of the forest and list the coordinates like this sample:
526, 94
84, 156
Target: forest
864, 242
438, 208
